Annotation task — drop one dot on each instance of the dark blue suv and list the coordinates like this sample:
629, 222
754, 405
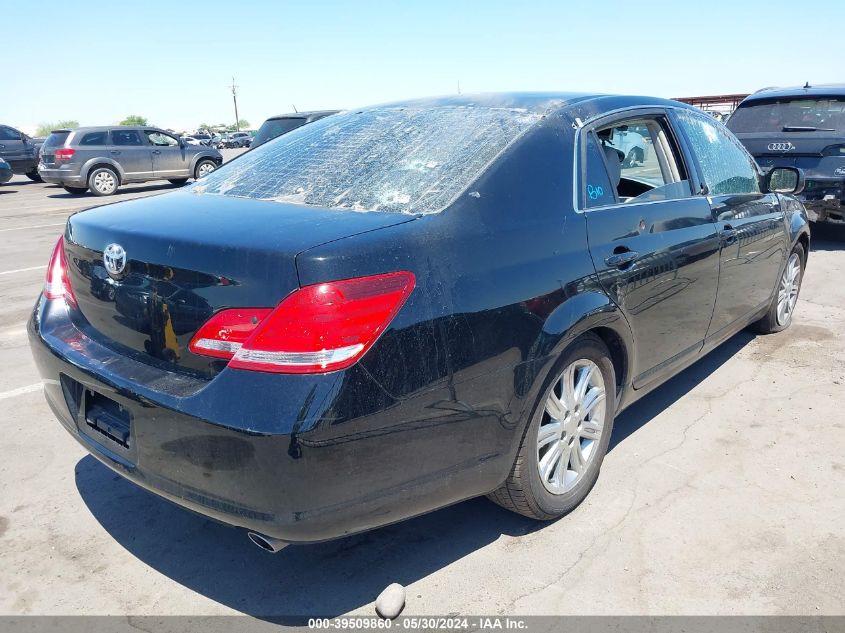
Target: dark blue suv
800, 127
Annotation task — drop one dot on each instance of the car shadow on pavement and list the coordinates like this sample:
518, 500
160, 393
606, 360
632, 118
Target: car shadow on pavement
639, 413
324, 579
827, 237
117, 194
301, 581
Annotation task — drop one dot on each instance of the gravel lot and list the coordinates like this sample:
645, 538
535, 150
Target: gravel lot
722, 493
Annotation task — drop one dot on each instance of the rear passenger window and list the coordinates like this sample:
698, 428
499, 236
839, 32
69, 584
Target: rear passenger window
94, 138
596, 189
125, 137
726, 166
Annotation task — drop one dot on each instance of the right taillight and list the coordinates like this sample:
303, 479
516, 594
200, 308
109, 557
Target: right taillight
316, 329
57, 285
64, 154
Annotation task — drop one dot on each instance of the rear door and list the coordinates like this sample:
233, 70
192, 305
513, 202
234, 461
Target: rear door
13, 149
750, 222
132, 152
653, 243
170, 159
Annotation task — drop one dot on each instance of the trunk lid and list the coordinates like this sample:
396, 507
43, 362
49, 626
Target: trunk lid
186, 257
789, 144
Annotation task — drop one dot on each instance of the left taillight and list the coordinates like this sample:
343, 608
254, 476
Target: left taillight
315, 329
64, 154
57, 285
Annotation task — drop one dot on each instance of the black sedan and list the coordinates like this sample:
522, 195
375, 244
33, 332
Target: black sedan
396, 308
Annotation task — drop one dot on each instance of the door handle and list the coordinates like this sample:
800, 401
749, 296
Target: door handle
115, 152
728, 235
620, 260
156, 151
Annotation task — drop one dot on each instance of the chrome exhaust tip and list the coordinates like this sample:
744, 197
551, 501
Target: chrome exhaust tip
267, 543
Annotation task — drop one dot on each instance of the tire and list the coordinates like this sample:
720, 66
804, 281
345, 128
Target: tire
779, 315
177, 181
204, 167
525, 491
34, 177
75, 190
103, 181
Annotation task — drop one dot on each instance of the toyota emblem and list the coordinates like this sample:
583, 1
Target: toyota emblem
781, 147
114, 259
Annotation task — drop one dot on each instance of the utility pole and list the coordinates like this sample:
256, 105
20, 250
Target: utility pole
459, 86
235, 99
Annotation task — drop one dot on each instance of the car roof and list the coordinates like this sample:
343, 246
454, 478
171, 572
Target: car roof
821, 90
538, 102
106, 128
303, 115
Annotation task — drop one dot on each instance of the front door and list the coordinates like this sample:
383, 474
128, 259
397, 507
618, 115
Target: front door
132, 153
654, 245
750, 222
169, 157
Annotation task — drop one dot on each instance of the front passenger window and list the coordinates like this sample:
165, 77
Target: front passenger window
161, 140
726, 166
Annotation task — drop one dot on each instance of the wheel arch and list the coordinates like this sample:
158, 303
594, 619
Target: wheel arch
98, 162
589, 312
202, 156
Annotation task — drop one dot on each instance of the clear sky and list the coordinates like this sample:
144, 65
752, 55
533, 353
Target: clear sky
171, 61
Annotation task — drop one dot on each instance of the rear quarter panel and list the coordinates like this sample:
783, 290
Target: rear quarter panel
503, 282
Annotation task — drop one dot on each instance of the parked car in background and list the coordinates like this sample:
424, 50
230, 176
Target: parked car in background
631, 143
190, 140
103, 158
20, 151
275, 126
398, 307
233, 140
5, 171
203, 138
800, 127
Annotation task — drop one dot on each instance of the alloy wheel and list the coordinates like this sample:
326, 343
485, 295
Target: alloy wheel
790, 283
571, 427
105, 182
205, 169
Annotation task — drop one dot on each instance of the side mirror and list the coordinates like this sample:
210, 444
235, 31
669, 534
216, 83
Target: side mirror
785, 180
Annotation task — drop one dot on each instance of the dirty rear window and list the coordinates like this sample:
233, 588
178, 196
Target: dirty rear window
403, 160
56, 139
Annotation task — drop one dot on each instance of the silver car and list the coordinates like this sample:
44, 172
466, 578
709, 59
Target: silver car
103, 158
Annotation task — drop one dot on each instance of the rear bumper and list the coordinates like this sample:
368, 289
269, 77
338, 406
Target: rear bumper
61, 176
825, 202
275, 454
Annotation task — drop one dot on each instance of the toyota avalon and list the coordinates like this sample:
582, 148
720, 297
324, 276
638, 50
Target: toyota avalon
400, 307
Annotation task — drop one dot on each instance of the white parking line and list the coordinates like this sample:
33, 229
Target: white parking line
21, 391
22, 270
37, 226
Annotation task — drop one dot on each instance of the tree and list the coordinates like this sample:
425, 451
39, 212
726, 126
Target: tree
44, 129
134, 119
243, 124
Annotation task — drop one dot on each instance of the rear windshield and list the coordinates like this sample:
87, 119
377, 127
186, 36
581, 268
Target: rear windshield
403, 160
56, 139
276, 127
801, 114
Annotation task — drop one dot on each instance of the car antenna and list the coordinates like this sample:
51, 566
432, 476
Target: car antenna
294, 108
806, 85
